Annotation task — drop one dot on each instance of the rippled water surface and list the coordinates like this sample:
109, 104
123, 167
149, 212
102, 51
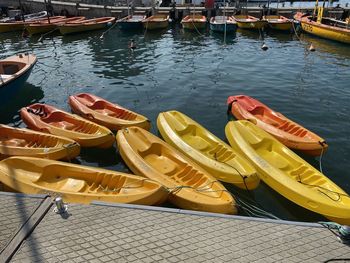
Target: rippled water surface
195, 74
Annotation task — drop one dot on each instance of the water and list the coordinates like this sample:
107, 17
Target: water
195, 74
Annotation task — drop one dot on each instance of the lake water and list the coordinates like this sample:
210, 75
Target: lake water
195, 74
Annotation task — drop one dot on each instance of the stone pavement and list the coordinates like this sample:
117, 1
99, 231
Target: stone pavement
126, 233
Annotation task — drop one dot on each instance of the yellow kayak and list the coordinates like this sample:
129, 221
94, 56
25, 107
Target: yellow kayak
190, 186
24, 142
77, 183
287, 173
211, 153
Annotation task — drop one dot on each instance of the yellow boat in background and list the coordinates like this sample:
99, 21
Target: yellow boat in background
24, 142
325, 27
207, 150
158, 21
281, 23
190, 186
249, 22
287, 173
194, 22
78, 183
86, 25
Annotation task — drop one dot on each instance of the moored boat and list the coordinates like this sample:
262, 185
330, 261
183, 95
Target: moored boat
29, 17
131, 22
277, 22
249, 22
19, 25
46, 26
290, 133
86, 25
325, 27
106, 113
45, 118
78, 183
207, 150
287, 173
158, 21
222, 24
190, 186
194, 22
14, 71
24, 142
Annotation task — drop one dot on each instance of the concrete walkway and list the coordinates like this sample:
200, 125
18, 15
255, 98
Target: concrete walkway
125, 233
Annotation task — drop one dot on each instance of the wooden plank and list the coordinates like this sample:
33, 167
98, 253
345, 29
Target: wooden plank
25, 230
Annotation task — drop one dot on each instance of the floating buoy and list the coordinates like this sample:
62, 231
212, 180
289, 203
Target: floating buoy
312, 48
264, 47
132, 44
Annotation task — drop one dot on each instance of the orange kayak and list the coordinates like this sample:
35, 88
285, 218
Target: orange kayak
283, 129
105, 113
51, 120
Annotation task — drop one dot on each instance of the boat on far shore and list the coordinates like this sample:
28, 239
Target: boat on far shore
194, 22
86, 25
277, 22
249, 22
131, 22
158, 21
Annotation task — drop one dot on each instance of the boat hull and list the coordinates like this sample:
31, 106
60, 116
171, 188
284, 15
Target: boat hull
283, 26
326, 32
153, 25
216, 27
252, 24
69, 29
11, 27
127, 26
40, 29
78, 183
287, 173
189, 25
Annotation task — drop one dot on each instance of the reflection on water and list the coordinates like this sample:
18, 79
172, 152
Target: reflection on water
194, 73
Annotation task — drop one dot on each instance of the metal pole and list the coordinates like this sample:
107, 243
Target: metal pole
22, 15
47, 12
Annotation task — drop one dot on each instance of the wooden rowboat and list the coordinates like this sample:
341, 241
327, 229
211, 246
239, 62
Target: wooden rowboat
19, 25
158, 21
249, 22
86, 25
207, 150
222, 23
324, 27
287, 173
14, 71
132, 22
78, 183
190, 186
105, 113
194, 22
276, 22
283, 129
45, 26
24, 142
45, 118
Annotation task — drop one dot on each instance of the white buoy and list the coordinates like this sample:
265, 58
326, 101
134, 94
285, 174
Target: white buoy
312, 48
264, 47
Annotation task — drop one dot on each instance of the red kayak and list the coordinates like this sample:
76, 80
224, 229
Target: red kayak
283, 129
45, 118
108, 114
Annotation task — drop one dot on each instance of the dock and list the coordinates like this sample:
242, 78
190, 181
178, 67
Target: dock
32, 232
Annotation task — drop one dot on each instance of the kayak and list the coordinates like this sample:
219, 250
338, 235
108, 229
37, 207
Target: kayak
207, 150
190, 186
106, 113
283, 129
287, 173
78, 183
24, 142
45, 118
